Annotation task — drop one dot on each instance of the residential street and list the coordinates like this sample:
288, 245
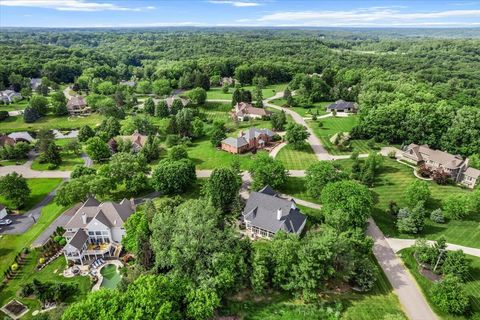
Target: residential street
399, 244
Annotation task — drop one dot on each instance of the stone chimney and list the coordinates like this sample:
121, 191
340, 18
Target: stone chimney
84, 218
279, 214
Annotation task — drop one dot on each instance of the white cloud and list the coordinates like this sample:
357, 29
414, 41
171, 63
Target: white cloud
236, 3
376, 16
70, 5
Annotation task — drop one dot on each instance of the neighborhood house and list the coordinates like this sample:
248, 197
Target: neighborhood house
96, 230
8, 96
22, 136
455, 166
266, 213
138, 141
245, 111
77, 105
342, 106
252, 139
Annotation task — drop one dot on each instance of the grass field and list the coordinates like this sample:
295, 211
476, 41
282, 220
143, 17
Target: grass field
296, 159
69, 160
16, 123
50, 273
472, 285
316, 108
40, 188
295, 187
21, 105
380, 303
333, 125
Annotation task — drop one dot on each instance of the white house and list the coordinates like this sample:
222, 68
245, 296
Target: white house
3, 211
8, 96
96, 230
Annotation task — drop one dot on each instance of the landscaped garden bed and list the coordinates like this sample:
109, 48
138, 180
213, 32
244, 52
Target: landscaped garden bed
14, 309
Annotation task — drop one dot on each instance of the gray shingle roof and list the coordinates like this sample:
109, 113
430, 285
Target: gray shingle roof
235, 142
262, 209
342, 105
79, 239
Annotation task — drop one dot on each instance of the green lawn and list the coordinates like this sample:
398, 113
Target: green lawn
21, 105
50, 273
5, 163
391, 185
40, 188
10, 245
69, 160
13, 124
380, 303
333, 125
472, 285
316, 108
295, 187
296, 159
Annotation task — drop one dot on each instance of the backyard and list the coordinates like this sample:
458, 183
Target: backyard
294, 159
472, 285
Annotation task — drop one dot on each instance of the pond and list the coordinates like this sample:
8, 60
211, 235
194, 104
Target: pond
111, 276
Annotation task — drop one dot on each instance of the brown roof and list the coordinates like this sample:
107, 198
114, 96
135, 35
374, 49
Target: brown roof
447, 160
248, 108
76, 103
136, 139
472, 172
6, 140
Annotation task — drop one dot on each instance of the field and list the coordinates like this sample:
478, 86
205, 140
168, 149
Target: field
69, 160
40, 188
20, 105
316, 108
333, 125
472, 285
16, 123
216, 93
380, 303
296, 159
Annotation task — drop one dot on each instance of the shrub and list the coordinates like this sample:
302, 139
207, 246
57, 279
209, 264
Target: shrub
437, 216
364, 275
456, 264
62, 242
441, 177
172, 140
392, 154
424, 171
3, 115
41, 260
450, 296
57, 238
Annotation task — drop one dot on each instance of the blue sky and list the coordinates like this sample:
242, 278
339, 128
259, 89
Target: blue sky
143, 13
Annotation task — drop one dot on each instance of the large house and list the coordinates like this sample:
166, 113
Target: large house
9, 96
96, 230
266, 213
77, 105
21, 136
342, 106
138, 141
252, 139
457, 167
6, 141
244, 111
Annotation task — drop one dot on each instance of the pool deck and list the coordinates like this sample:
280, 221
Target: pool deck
97, 285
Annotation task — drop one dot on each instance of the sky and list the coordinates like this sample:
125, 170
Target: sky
241, 13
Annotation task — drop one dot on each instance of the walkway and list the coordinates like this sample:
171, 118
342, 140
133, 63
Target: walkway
399, 244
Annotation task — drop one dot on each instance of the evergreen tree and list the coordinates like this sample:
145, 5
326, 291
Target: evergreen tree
149, 106
161, 109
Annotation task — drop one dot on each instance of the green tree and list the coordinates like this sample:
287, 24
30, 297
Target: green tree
149, 106
412, 221
97, 149
456, 263
258, 97
318, 175
456, 206
198, 96
350, 198
449, 295
161, 110
109, 128
415, 192
267, 171
39, 103
222, 189
51, 155
30, 115
198, 126
184, 119
173, 177
278, 120
296, 135
15, 189
85, 133
81, 170
177, 153
218, 133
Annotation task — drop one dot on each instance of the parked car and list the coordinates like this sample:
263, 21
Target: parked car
5, 222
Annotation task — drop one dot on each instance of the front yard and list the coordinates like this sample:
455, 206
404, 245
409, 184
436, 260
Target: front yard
294, 159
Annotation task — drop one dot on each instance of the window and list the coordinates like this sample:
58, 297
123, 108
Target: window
98, 233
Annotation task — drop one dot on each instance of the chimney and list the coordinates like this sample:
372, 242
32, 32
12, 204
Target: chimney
84, 218
279, 214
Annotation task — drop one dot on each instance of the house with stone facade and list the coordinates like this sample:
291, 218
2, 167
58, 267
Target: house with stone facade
454, 165
266, 213
96, 230
249, 140
245, 111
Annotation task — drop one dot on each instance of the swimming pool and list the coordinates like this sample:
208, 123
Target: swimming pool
111, 276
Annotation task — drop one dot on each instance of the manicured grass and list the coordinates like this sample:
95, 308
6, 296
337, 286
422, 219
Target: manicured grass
10, 245
316, 108
217, 111
205, 156
390, 186
69, 160
296, 159
295, 187
5, 163
472, 285
380, 303
16, 123
40, 188
20, 105
50, 273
